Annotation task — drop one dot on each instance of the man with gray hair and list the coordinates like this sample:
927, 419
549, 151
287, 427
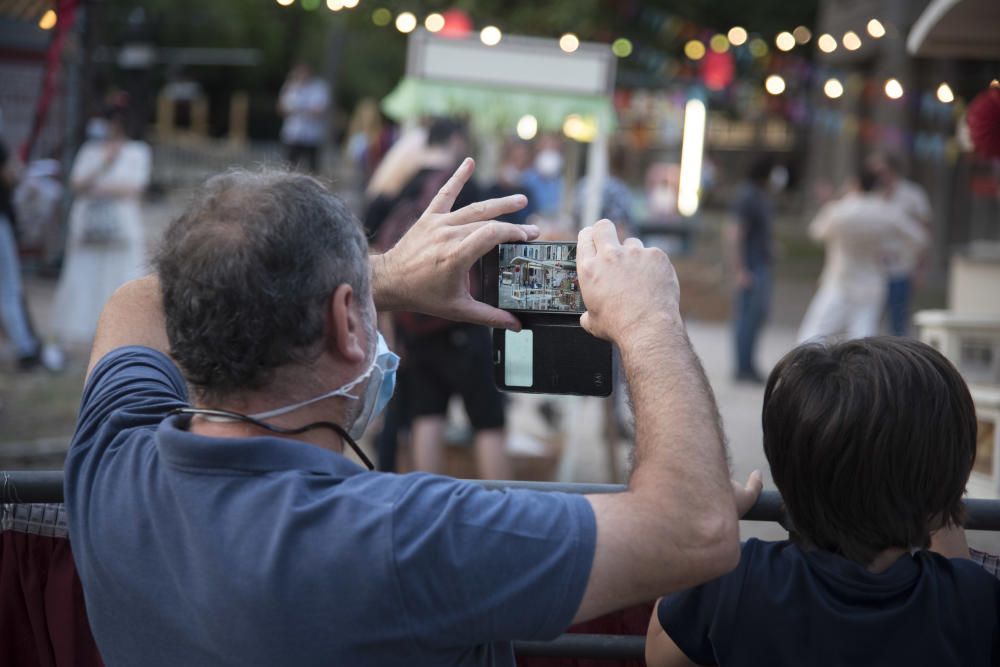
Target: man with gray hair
231, 528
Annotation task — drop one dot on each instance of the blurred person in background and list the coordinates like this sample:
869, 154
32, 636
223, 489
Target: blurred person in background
748, 240
616, 198
545, 177
364, 138
905, 263
858, 231
514, 160
105, 247
444, 358
303, 102
13, 314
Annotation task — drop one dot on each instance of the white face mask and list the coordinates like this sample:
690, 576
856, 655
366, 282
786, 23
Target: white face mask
549, 163
377, 394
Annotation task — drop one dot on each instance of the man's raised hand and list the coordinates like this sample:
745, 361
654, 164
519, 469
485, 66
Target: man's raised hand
626, 286
428, 270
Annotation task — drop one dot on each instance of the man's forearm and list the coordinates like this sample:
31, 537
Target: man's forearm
132, 316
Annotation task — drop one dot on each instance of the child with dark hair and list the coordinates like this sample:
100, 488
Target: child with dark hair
870, 443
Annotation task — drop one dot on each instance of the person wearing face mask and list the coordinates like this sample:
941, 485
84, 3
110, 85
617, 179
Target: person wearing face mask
216, 516
545, 177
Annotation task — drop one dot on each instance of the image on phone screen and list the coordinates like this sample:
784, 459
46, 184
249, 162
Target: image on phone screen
539, 277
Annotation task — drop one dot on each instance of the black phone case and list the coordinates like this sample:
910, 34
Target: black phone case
566, 360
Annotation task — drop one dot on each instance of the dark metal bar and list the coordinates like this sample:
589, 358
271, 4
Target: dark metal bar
594, 647
45, 486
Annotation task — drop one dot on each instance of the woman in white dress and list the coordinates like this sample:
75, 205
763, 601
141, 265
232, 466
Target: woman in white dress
106, 244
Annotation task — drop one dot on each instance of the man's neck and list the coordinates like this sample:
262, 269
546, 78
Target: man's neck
884, 559
327, 410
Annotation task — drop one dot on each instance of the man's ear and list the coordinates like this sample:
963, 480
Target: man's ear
347, 336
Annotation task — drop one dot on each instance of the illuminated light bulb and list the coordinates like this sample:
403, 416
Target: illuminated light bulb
774, 84
893, 89
694, 50
737, 36
527, 127
621, 47
785, 41
490, 35
945, 94
569, 42
826, 43
802, 35
718, 43
833, 88
406, 22
851, 41
434, 22
48, 20
876, 29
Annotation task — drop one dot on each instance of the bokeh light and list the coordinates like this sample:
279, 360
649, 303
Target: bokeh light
694, 49
335, 5
785, 41
876, 29
945, 94
381, 17
758, 47
826, 43
851, 41
434, 22
893, 89
527, 127
833, 88
621, 47
737, 36
774, 84
802, 34
490, 35
719, 43
406, 22
569, 42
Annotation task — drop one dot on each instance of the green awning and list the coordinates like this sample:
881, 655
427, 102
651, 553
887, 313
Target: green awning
494, 108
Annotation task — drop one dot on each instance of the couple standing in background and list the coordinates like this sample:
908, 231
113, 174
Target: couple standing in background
875, 237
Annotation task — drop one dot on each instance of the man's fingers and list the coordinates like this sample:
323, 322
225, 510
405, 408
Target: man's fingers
445, 198
478, 312
755, 484
633, 243
489, 234
605, 234
487, 210
585, 244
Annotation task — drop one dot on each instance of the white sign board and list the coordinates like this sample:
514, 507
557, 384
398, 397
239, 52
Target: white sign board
516, 62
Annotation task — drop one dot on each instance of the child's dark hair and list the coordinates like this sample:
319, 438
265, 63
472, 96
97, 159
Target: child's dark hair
870, 442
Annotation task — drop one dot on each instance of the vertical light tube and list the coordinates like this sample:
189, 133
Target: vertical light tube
692, 151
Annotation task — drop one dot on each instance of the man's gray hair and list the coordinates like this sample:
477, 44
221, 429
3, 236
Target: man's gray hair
246, 274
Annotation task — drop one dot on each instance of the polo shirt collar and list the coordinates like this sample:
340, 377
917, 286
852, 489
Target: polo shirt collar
183, 449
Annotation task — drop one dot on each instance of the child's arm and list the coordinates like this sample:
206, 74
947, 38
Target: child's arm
950, 542
661, 651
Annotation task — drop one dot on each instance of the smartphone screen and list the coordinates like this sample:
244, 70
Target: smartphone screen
538, 277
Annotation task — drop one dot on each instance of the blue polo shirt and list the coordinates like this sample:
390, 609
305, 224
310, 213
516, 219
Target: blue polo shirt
267, 551
784, 606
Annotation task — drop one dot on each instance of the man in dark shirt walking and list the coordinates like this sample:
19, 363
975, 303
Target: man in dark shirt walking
748, 240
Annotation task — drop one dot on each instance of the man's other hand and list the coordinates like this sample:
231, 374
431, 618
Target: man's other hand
747, 494
625, 285
428, 270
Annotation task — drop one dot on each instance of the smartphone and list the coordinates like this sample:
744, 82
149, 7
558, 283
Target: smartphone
552, 359
538, 281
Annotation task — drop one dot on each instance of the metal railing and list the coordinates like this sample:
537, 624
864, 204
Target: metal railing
46, 486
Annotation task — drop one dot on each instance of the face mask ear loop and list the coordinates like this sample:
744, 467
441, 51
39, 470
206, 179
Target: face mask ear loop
238, 417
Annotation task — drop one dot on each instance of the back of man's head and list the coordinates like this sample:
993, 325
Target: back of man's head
247, 272
870, 442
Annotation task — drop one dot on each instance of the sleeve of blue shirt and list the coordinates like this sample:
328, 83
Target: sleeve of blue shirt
131, 387
694, 617
476, 566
